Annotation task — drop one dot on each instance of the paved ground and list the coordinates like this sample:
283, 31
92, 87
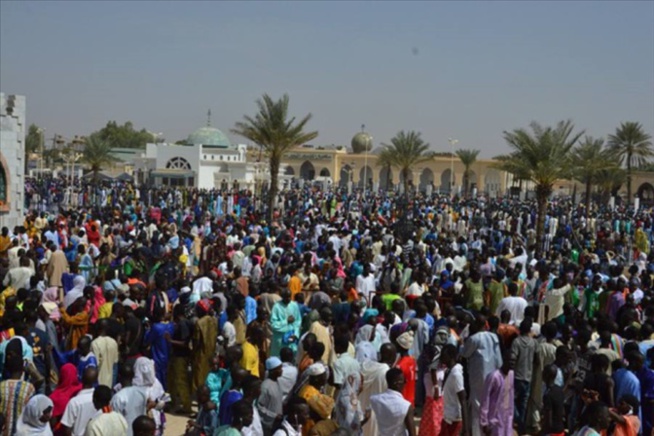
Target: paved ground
175, 425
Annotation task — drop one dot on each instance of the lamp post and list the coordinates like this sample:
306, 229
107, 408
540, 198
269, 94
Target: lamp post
452, 142
42, 149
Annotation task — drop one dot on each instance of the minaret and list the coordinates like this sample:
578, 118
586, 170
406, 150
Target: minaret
209, 118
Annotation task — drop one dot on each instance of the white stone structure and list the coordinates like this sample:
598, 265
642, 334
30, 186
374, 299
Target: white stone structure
207, 161
12, 160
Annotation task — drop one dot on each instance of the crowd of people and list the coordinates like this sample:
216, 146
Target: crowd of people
345, 314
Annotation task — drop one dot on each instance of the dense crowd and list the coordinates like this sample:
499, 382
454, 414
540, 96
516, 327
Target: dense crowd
346, 314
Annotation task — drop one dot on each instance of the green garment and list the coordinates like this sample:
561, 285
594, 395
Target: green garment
592, 303
388, 300
475, 300
496, 290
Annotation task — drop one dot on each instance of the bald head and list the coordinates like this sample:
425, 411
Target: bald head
388, 353
90, 377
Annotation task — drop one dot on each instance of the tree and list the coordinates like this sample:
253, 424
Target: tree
276, 133
406, 150
97, 154
632, 147
124, 136
588, 159
33, 142
609, 181
467, 158
384, 161
543, 157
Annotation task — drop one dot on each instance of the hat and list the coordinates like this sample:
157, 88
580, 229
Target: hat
123, 289
49, 306
405, 340
272, 363
185, 290
316, 369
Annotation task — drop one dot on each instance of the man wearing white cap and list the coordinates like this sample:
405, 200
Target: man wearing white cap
271, 398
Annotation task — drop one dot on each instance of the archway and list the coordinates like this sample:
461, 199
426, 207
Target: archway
426, 179
346, 172
470, 183
325, 172
447, 181
289, 171
178, 163
307, 171
646, 193
386, 179
4, 185
365, 175
492, 183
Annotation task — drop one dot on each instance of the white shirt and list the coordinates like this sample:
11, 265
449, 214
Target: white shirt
366, 285
107, 424
254, 429
229, 333
390, 409
515, 305
415, 289
453, 385
79, 411
288, 378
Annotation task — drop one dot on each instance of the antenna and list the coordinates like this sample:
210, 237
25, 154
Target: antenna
363, 128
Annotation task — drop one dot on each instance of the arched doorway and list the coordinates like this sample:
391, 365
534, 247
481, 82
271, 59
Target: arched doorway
386, 179
325, 172
289, 171
307, 171
346, 172
646, 193
470, 183
365, 176
447, 181
426, 179
492, 183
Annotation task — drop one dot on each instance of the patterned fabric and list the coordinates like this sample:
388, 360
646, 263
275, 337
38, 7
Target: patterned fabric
14, 395
432, 415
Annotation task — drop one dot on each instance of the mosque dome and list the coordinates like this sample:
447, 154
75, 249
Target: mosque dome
361, 143
208, 136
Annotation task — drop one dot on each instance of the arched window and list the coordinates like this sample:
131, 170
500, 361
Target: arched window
3, 186
178, 163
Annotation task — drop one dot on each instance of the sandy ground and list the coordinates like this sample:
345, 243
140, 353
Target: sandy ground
175, 425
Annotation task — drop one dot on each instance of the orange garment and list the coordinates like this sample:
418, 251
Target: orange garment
295, 286
79, 326
352, 295
305, 363
629, 428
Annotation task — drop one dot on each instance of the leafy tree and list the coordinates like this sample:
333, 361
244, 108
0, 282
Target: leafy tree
609, 181
97, 154
588, 159
276, 133
33, 142
467, 158
543, 157
125, 136
632, 147
406, 150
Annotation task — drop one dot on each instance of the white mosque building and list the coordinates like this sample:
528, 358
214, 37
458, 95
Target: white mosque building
207, 160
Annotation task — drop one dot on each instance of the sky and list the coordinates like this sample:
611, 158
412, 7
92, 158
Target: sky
464, 70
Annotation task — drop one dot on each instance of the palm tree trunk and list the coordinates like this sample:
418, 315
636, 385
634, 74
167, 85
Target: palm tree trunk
628, 179
272, 192
466, 181
587, 201
405, 181
542, 196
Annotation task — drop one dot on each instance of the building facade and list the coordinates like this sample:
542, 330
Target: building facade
12, 160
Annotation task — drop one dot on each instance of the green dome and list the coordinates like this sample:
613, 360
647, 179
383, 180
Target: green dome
361, 143
208, 136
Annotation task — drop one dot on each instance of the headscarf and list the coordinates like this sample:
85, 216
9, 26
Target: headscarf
204, 306
29, 422
340, 272
79, 282
51, 295
145, 376
67, 388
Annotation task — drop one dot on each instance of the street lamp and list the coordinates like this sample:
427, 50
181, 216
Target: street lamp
452, 142
41, 132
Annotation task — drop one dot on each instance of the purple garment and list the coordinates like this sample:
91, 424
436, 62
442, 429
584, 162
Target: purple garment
646, 378
616, 301
497, 403
226, 402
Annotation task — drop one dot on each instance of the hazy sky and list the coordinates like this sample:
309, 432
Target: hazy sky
467, 70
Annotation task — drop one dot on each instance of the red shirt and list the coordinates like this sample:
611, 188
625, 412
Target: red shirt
409, 368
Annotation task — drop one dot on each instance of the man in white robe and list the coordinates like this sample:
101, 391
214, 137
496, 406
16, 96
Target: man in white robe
374, 382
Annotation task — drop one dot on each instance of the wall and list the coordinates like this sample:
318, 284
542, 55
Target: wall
12, 158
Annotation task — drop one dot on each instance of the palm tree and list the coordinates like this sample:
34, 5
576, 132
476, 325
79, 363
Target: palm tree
609, 181
632, 146
384, 161
406, 150
276, 133
588, 159
467, 158
543, 157
97, 154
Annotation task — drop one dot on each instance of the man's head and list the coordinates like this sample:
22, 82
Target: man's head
395, 379
274, 368
144, 426
101, 396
